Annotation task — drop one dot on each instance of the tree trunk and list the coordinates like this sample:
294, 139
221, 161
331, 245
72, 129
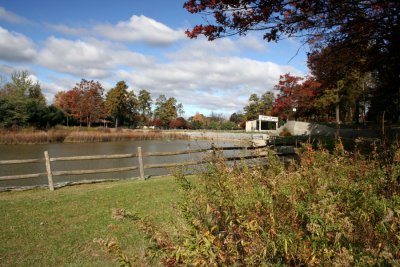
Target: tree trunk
337, 113
116, 123
357, 112
383, 124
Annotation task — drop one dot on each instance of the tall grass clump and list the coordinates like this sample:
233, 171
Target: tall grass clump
74, 135
120, 135
32, 137
327, 209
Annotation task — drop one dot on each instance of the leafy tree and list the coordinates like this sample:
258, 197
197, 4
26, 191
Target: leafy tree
315, 21
22, 102
68, 102
259, 106
54, 116
84, 102
166, 110
356, 33
345, 75
196, 125
228, 125
144, 106
266, 103
216, 117
237, 118
178, 123
87, 102
120, 103
199, 121
252, 110
37, 107
61, 102
293, 95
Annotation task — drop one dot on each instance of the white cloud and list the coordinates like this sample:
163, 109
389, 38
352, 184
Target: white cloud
253, 43
11, 17
203, 75
68, 30
140, 29
90, 58
206, 76
15, 47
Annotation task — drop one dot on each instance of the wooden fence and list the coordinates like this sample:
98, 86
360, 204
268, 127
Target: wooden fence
139, 155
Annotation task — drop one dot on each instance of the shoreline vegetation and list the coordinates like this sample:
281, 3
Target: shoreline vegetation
81, 135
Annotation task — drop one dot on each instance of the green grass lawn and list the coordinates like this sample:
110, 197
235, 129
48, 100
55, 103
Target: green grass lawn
44, 228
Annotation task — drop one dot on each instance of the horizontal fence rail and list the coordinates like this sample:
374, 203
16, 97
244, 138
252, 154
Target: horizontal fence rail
139, 155
115, 156
8, 162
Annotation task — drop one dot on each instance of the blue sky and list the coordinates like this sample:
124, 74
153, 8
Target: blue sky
142, 43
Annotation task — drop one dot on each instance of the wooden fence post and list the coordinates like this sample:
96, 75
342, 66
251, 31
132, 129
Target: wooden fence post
140, 158
48, 169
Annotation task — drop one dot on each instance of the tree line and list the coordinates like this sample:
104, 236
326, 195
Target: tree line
306, 99
22, 104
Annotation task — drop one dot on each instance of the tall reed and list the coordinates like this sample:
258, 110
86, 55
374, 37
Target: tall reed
73, 135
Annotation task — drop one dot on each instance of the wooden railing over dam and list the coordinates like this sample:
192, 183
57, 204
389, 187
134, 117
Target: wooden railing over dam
140, 165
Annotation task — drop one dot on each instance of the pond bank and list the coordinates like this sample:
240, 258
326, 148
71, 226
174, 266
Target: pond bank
76, 135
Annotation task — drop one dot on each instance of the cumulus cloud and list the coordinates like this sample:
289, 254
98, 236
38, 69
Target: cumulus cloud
11, 17
206, 77
90, 58
216, 76
15, 47
140, 29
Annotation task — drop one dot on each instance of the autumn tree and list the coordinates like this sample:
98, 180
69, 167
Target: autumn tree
363, 33
93, 101
294, 98
121, 104
199, 121
345, 82
84, 102
60, 101
178, 123
68, 102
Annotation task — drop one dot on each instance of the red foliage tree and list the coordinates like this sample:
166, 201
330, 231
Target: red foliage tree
84, 102
294, 95
352, 33
178, 123
157, 123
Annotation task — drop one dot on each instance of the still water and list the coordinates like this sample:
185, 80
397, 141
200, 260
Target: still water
13, 152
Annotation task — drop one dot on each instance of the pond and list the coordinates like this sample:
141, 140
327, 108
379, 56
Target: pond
14, 152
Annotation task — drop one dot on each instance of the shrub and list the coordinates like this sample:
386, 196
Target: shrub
326, 209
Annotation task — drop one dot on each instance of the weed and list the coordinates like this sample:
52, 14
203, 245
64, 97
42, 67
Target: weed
327, 209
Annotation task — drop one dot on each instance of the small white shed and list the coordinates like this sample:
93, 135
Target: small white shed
263, 123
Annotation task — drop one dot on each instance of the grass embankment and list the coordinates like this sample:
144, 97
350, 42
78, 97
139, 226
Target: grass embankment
82, 135
42, 228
